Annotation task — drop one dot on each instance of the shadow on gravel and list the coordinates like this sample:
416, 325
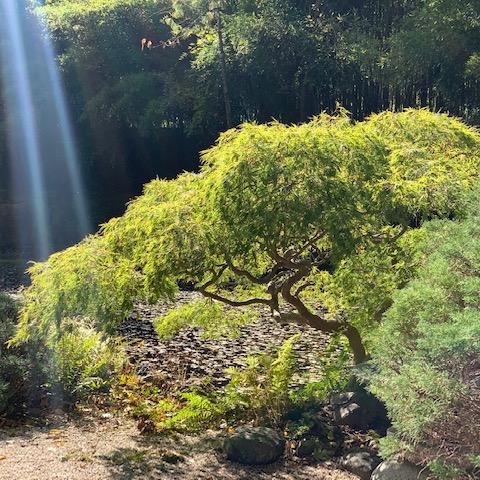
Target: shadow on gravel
130, 463
199, 458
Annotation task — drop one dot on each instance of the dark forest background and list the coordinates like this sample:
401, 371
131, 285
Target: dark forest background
145, 112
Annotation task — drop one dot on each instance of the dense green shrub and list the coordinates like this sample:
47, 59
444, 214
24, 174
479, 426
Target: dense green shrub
22, 371
78, 362
286, 216
84, 362
426, 353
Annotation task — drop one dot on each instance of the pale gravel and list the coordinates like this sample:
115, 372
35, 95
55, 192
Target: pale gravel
98, 448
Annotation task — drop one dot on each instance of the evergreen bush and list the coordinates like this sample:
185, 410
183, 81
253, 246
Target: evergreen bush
426, 353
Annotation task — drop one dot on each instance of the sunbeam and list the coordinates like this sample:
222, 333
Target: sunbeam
43, 154
67, 137
25, 141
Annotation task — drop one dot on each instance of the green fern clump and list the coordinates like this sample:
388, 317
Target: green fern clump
198, 412
83, 361
260, 392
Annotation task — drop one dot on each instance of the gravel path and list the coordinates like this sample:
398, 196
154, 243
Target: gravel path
103, 447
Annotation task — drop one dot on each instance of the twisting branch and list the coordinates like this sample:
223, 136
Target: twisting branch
233, 303
274, 291
286, 261
315, 321
214, 279
279, 259
288, 258
311, 318
236, 303
302, 287
308, 244
263, 280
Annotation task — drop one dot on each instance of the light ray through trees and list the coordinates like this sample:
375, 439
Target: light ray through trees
23, 128
66, 134
42, 151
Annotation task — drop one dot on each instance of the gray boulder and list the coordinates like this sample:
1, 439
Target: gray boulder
396, 470
254, 445
359, 410
361, 463
352, 415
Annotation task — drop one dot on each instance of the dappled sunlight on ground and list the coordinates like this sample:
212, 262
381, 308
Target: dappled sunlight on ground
104, 447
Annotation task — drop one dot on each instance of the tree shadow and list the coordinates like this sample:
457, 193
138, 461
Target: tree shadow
129, 463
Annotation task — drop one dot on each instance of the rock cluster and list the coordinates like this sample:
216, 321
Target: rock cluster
361, 463
359, 410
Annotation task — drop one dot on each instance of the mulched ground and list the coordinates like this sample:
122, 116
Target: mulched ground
187, 359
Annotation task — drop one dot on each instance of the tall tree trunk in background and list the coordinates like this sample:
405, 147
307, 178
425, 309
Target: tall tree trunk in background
302, 107
223, 68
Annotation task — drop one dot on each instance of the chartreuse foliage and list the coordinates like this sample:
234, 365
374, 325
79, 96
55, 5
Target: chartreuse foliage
425, 347
83, 361
85, 281
74, 292
286, 212
212, 318
64, 14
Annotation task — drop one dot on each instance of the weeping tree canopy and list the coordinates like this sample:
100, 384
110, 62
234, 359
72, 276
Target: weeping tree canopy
289, 217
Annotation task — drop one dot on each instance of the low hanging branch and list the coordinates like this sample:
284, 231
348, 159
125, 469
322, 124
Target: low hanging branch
289, 269
316, 321
233, 303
